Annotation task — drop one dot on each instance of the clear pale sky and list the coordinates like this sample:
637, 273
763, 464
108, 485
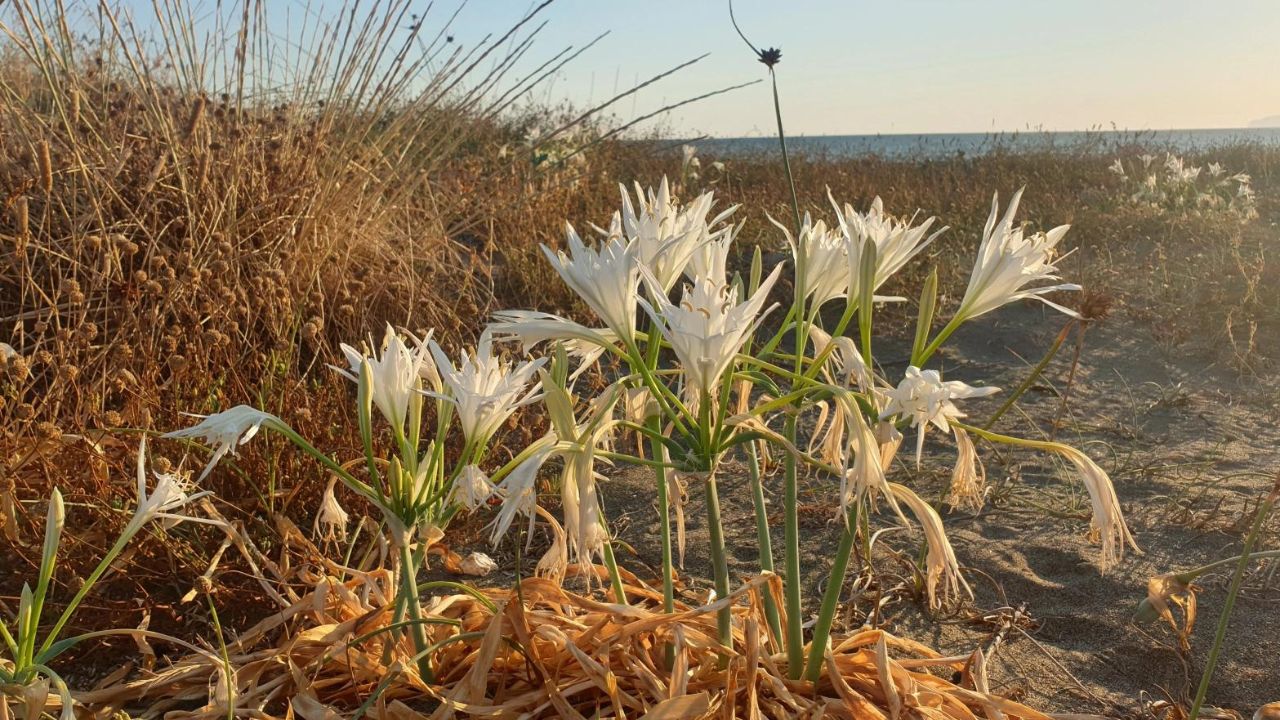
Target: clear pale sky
889, 66
923, 65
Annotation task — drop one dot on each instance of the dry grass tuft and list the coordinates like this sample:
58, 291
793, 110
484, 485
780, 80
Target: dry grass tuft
542, 652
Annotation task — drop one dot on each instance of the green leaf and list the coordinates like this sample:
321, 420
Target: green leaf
924, 322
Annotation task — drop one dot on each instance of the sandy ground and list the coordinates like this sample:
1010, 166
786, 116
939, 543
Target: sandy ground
1172, 429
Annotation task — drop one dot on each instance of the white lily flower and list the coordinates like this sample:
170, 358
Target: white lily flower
1108, 520
940, 558
532, 328
519, 490
162, 503
708, 327
331, 517
710, 259
1008, 262
607, 280
1117, 168
665, 234
1215, 169
896, 241
927, 400
485, 390
396, 374
824, 255
472, 488
228, 429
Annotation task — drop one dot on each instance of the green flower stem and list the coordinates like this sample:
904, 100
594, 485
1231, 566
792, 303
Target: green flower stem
1220, 633
719, 562
1031, 378
831, 598
942, 337
413, 606
664, 519
763, 540
611, 564
130, 530
791, 581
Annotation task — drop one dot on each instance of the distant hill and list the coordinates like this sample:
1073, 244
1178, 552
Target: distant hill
1267, 122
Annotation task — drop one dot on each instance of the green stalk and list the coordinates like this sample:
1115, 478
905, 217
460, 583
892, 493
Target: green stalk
664, 518
719, 562
943, 334
1031, 378
831, 598
413, 605
611, 563
763, 541
1220, 633
791, 581
70, 609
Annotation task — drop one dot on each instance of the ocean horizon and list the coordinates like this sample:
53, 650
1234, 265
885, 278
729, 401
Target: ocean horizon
939, 145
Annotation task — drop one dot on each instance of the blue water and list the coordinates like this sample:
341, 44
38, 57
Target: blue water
939, 145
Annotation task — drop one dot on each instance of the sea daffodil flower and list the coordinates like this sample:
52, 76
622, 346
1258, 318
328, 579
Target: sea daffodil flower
708, 327
1008, 261
927, 400
227, 430
484, 389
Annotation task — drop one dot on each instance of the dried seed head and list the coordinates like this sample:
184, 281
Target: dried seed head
112, 418
177, 363
21, 218
25, 411
46, 166
94, 242
49, 432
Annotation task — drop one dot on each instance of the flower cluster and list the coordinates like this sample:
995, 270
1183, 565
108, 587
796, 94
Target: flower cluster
1176, 186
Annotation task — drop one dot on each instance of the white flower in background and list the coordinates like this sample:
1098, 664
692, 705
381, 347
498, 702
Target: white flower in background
396, 374
927, 400
1215, 169
1008, 261
167, 497
1147, 160
331, 517
472, 488
940, 558
228, 429
708, 327
1117, 167
519, 490
665, 234
607, 279
477, 564
484, 389
824, 255
1108, 520
689, 162
896, 241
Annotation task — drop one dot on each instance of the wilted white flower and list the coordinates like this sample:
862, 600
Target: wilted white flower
927, 400
708, 327
1108, 519
824, 256
607, 279
472, 489
968, 477
396, 374
331, 517
168, 496
896, 241
485, 390
1008, 261
532, 328
228, 429
665, 234
940, 558
519, 490
850, 368
477, 564
866, 479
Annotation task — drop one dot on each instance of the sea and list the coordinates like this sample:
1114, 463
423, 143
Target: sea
945, 145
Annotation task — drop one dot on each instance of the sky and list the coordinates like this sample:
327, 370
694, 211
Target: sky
884, 66
912, 66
